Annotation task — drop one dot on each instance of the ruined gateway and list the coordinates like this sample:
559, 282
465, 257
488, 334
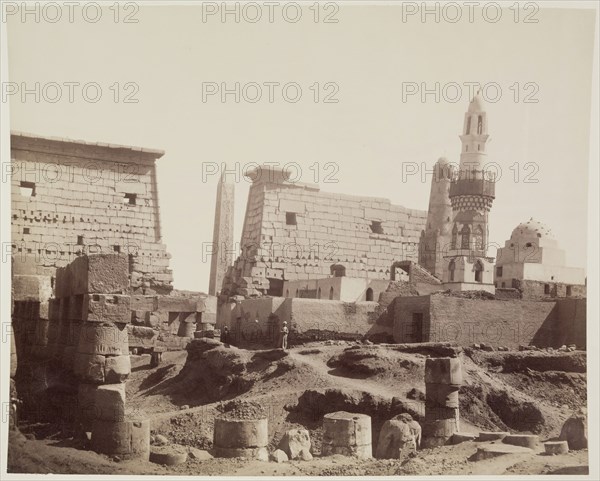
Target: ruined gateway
110, 359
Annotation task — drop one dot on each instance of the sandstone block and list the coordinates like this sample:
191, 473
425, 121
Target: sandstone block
574, 431
492, 436
117, 369
63, 282
294, 441
243, 433
442, 395
144, 303
31, 288
279, 456
259, 454
130, 438
438, 432
525, 440
395, 437
177, 304
199, 454
496, 450
556, 447
458, 438
106, 308
443, 370
168, 455
109, 402
89, 368
100, 274
348, 434
103, 338
139, 336
305, 455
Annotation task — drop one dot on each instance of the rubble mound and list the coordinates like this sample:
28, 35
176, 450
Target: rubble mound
370, 361
238, 410
493, 409
542, 361
212, 372
480, 295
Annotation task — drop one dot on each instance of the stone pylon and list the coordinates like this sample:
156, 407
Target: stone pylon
222, 251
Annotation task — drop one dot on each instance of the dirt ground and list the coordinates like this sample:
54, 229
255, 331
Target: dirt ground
520, 392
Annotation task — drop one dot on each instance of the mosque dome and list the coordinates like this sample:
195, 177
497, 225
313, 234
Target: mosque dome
531, 229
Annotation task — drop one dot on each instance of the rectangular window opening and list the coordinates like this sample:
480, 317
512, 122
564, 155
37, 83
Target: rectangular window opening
26, 230
79, 240
117, 248
290, 218
130, 199
27, 189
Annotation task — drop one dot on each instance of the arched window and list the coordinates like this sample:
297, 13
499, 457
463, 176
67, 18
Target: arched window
478, 237
369, 294
331, 293
465, 237
454, 242
468, 126
479, 124
451, 268
478, 272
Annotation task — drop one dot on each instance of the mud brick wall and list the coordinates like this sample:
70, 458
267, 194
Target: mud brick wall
365, 234
507, 323
71, 198
548, 290
571, 325
306, 318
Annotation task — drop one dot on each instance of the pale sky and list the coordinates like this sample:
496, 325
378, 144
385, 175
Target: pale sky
371, 55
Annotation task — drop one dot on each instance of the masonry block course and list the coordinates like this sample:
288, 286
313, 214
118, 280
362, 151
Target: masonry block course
510, 323
298, 232
72, 197
99, 273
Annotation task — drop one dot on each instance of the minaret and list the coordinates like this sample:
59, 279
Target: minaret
438, 230
471, 194
222, 257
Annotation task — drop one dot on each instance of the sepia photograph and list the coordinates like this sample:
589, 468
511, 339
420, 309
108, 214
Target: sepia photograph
313, 239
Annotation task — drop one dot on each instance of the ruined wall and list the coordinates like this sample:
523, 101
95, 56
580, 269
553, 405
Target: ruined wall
294, 231
71, 198
305, 318
507, 323
547, 290
572, 322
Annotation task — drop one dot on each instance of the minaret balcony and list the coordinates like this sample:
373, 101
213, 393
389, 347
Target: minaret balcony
473, 186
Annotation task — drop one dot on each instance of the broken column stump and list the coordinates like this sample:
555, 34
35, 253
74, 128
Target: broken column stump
556, 447
128, 438
156, 356
248, 438
348, 434
443, 377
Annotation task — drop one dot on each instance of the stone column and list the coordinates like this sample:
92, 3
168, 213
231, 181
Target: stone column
443, 377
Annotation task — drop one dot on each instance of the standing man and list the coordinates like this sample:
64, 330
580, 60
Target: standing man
284, 335
225, 335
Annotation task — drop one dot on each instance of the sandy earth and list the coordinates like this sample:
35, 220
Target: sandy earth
178, 399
